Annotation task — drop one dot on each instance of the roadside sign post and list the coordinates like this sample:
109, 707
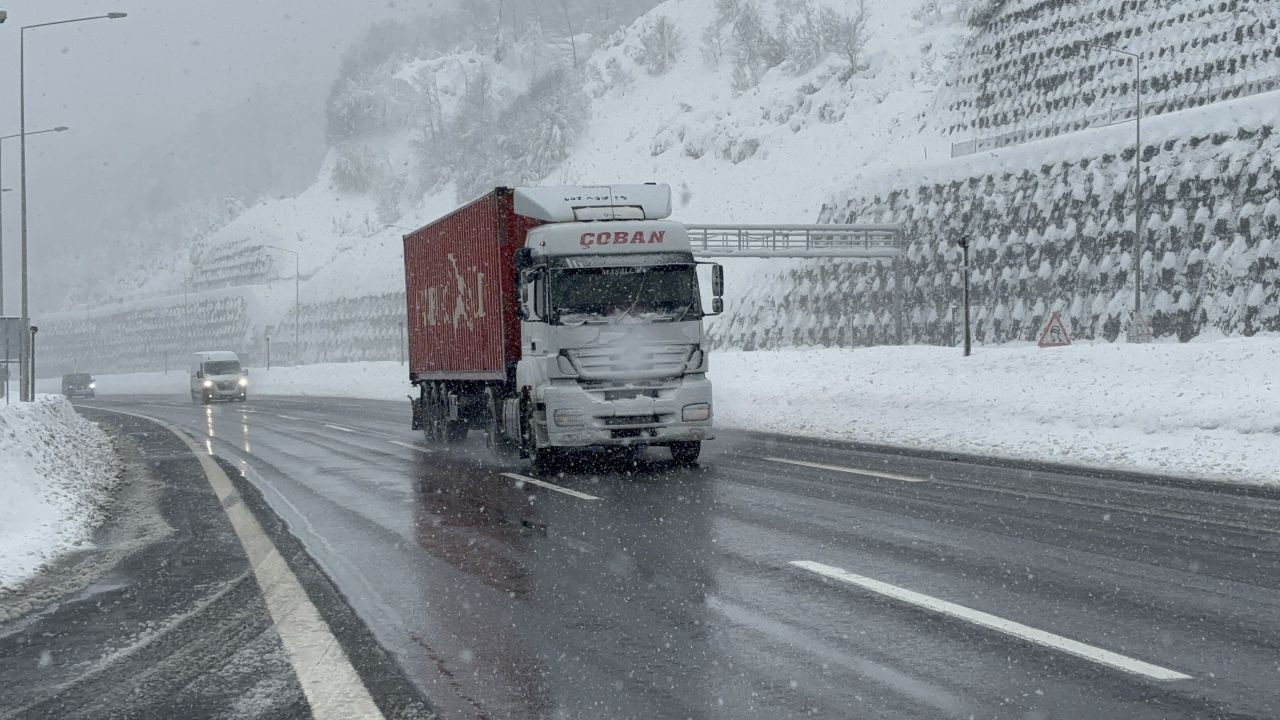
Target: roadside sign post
32, 364
968, 333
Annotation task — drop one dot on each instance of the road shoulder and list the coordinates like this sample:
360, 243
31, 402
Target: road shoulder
164, 617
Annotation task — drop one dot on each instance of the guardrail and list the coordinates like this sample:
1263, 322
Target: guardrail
799, 241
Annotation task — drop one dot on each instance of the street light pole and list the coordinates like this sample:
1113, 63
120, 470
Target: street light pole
297, 304
968, 334
28, 382
1135, 331
60, 128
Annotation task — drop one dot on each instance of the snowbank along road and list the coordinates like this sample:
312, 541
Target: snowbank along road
782, 577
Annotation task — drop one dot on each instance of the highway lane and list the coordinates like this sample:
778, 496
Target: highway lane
926, 587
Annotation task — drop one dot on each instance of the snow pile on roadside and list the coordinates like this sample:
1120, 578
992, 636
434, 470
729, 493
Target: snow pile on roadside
1202, 409
56, 469
1208, 409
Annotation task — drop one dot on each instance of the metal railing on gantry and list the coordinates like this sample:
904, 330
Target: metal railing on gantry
798, 241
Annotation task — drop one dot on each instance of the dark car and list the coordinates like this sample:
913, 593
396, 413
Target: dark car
78, 385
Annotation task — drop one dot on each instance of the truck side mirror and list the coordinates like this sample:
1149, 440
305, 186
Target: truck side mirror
717, 305
524, 258
245, 372
717, 281
199, 374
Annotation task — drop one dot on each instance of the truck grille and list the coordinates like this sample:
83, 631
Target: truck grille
226, 386
619, 390
616, 420
657, 361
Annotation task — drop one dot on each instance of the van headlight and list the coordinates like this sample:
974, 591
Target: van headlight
93, 385
698, 412
207, 384
244, 382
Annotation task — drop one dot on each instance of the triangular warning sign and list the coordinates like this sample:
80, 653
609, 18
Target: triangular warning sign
1054, 333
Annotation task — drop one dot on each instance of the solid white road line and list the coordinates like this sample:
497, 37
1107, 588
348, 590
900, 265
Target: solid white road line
532, 481
1008, 627
851, 471
331, 685
411, 446
286, 417
339, 427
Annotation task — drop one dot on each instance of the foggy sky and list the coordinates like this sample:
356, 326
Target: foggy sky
130, 87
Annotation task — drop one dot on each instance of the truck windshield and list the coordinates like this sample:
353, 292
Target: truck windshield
222, 367
625, 294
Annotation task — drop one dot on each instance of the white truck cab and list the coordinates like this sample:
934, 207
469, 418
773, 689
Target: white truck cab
612, 343
218, 375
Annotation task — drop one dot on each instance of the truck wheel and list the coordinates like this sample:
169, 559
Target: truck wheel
545, 460
686, 453
494, 438
433, 422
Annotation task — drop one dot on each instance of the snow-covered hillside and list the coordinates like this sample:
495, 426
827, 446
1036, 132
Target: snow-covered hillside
760, 111
771, 152
742, 137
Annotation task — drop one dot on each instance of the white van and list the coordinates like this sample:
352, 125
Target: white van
217, 375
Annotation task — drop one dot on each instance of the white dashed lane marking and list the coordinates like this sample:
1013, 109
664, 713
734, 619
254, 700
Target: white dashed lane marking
851, 471
999, 624
550, 486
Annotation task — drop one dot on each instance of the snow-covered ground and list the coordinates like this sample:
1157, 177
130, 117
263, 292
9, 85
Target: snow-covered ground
1207, 409
56, 470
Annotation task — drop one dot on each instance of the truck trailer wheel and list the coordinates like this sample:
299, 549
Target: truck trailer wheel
686, 453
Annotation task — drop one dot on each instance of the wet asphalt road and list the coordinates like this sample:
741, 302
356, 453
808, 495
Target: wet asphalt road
653, 591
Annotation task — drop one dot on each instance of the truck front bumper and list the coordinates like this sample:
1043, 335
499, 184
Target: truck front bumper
576, 418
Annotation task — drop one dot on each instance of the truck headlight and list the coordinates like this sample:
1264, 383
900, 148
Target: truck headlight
207, 384
568, 418
93, 385
695, 360
698, 412
244, 382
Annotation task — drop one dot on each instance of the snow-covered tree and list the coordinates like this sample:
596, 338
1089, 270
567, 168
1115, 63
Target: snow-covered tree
660, 46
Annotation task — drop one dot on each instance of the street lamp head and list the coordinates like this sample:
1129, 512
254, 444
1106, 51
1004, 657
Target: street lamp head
116, 15
61, 128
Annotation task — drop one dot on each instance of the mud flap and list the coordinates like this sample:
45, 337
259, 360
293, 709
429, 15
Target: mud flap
419, 413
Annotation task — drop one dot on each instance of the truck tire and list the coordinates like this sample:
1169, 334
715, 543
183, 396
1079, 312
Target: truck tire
430, 415
438, 427
494, 438
686, 453
545, 460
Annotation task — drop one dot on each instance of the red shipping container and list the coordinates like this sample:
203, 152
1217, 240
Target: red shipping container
460, 291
